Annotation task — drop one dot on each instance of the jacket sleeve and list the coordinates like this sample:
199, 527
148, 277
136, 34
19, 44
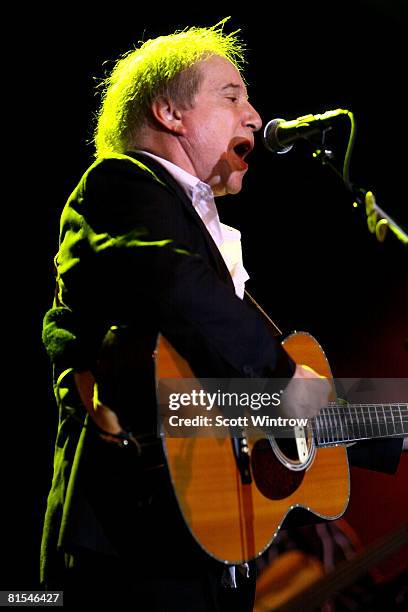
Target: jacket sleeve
377, 455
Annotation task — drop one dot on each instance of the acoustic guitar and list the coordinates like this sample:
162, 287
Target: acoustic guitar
235, 493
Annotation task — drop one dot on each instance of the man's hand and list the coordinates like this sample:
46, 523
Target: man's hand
306, 394
102, 416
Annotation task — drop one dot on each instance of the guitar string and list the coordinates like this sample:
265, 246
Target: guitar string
344, 420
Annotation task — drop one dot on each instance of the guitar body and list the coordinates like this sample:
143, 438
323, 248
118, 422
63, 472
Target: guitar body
235, 522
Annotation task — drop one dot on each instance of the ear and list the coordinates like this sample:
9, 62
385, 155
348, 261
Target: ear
168, 114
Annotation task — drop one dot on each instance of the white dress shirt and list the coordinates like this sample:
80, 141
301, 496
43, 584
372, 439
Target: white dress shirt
227, 239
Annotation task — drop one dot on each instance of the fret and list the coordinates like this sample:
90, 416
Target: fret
352, 432
321, 425
392, 416
377, 430
321, 428
405, 421
347, 437
400, 423
405, 429
371, 422
357, 422
349, 424
331, 434
385, 420
339, 418
316, 421
367, 420
363, 421
327, 427
339, 423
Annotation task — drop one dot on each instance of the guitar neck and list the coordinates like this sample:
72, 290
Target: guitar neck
344, 423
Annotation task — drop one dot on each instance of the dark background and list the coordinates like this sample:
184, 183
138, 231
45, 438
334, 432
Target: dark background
313, 263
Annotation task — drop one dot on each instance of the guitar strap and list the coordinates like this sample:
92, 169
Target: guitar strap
273, 328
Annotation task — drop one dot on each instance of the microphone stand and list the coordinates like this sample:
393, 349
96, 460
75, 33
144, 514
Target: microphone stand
378, 220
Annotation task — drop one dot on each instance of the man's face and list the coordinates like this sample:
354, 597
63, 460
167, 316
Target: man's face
219, 128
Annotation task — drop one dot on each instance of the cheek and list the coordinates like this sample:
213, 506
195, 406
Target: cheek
215, 130
200, 137
211, 133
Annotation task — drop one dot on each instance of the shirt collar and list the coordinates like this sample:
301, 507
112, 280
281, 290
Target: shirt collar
199, 193
186, 180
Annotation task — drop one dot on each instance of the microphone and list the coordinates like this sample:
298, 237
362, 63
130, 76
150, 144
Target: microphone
280, 135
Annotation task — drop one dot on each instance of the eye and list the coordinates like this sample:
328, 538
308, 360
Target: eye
233, 98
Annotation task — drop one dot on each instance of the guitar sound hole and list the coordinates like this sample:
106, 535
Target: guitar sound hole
288, 448
273, 479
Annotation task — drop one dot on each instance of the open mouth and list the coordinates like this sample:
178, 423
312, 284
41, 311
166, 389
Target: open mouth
241, 149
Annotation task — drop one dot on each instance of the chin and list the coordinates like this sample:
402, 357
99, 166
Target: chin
233, 191
231, 186
234, 187
226, 190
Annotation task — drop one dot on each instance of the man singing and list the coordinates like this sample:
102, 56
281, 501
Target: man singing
142, 249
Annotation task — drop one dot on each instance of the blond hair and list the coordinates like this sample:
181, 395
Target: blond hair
164, 66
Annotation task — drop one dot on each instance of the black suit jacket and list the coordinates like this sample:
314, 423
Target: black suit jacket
134, 253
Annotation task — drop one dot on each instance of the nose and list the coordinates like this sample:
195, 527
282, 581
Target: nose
252, 119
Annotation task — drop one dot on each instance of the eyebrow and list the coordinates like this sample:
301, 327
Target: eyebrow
235, 86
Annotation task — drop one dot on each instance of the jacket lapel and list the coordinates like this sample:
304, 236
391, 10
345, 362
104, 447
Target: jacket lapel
173, 185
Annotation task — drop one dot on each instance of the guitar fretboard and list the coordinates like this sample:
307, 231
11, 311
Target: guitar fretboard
342, 423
